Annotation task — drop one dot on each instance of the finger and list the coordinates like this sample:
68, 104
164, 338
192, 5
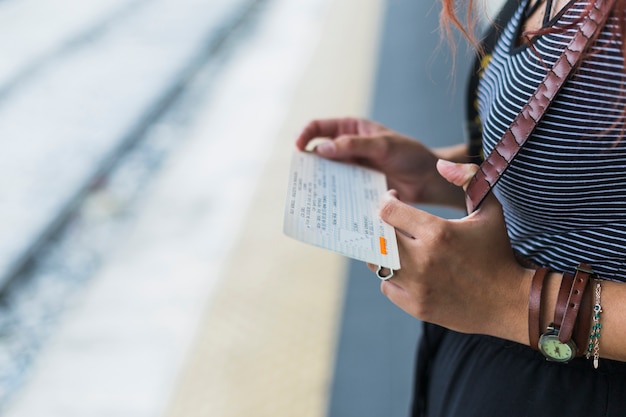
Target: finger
393, 290
457, 174
313, 144
404, 217
461, 175
348, 147
381, 272
326, 128
372, 267
320, 128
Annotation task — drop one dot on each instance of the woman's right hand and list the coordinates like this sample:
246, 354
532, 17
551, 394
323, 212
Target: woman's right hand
410, 167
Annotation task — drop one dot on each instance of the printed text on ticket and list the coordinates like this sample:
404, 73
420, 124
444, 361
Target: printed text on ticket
336, 206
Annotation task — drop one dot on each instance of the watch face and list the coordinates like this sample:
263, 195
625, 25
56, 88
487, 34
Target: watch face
554, 349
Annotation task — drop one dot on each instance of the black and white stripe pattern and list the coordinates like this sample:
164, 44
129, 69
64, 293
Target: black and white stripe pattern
564, 196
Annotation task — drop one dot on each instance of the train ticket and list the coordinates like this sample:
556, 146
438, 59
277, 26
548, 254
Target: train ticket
335, 206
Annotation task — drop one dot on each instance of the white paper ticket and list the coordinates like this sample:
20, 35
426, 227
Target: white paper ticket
335, 206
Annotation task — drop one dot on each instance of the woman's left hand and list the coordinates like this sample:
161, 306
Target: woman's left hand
461, 274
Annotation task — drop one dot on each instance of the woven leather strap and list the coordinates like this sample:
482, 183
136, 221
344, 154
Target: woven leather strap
523, 125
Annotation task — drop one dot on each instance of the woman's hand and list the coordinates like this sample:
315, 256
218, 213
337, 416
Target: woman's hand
461, 274
408, 165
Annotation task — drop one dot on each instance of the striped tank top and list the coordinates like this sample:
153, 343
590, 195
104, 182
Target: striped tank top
564, 196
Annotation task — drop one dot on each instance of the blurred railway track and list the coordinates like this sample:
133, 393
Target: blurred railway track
48, 266
34, 221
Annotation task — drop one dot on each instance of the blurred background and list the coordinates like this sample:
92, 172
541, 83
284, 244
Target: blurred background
143, 171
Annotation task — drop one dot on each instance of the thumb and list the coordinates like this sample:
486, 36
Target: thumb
457, 174
460, 175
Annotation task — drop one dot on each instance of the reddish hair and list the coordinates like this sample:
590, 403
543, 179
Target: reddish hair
449, 18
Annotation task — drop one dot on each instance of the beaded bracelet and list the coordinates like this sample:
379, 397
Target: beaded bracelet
594, 336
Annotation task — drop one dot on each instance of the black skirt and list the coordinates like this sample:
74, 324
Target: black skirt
461, 375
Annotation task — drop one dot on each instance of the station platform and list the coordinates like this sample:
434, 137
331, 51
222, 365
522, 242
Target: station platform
203, 307
325, 341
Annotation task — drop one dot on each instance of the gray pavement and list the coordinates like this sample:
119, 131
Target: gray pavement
416, 93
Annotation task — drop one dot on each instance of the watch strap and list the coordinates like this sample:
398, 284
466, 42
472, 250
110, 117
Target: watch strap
572, 306
534, 306
583, 324
561, 299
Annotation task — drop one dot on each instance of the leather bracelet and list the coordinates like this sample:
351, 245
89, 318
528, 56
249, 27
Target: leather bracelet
561, 299
583, 323
572, 306
534, 307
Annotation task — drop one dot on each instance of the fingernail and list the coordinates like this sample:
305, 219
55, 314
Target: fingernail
326, 148
445, 163
389, 196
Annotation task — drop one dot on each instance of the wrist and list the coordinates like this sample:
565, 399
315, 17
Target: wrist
568, 333
549, 296
510, 321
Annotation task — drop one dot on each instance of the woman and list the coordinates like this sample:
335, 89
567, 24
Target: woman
560, 204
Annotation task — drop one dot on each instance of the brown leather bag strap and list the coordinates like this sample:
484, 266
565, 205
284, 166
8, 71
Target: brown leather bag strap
525, 122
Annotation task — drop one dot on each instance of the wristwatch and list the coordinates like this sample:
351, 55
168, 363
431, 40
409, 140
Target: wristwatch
549, 344
556, 342
555, 350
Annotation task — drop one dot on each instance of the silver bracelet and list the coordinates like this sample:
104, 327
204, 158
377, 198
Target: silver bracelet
593, 350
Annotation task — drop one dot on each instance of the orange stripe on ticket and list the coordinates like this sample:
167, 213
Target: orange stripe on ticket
383, 245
